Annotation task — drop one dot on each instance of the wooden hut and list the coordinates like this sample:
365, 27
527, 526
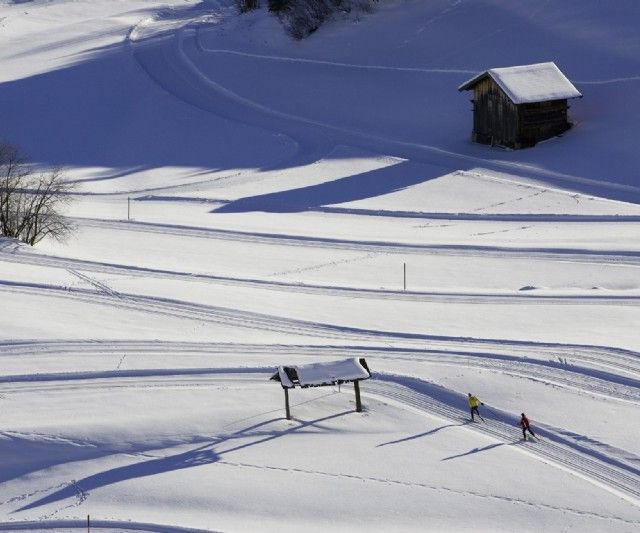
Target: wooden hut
517, 107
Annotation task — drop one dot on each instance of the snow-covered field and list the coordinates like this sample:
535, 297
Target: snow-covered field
278, 191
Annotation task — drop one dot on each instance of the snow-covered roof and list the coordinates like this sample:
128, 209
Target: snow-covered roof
316, 374
527, 84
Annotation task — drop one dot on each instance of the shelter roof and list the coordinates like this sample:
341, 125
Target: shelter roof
326, 373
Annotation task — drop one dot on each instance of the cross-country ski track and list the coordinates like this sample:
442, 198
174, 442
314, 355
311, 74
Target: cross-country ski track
626, 361
180, 76
619, 477
242, 200
78, 265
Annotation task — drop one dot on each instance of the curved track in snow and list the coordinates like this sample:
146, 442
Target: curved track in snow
603, 374
620, 477
555, 254
604, 371
163, 56
76, 266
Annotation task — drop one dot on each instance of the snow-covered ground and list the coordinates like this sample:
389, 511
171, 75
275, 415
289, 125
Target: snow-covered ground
278, 190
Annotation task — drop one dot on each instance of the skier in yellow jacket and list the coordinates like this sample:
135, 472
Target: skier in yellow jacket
473, 405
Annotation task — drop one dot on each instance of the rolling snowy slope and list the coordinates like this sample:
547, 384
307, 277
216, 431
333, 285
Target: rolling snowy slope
302, 201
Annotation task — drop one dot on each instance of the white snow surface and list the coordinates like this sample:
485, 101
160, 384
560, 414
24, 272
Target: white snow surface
528, 84
303, 202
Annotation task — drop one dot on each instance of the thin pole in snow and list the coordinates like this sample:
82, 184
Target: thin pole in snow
88, 524
404, 270
356, 386
286, 403
128, 207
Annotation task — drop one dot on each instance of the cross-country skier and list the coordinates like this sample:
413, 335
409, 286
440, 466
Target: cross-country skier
524, 424
473, 406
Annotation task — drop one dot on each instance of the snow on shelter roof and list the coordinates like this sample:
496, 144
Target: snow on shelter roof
528, 84
317, 374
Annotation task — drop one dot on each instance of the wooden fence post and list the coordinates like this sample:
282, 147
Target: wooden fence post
286, 402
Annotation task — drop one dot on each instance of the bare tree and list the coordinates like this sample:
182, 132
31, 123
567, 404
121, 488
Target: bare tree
247, 5
31, 202
302, 17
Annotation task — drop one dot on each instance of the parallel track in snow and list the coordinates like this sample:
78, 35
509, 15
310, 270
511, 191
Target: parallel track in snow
78, 266
574, 255
582, 375
623, 480
506, 356
597, 370
261, 321
621, 477
190, 84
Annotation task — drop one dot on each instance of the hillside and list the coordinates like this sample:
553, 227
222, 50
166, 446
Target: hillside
279, 190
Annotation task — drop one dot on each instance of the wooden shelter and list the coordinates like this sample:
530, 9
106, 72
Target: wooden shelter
322, 375
517, 107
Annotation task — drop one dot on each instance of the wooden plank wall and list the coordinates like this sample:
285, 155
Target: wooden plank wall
542, 120
497, 120
495, 117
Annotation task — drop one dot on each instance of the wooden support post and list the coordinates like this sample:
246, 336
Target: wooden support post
286, 403
88, 524
356, 386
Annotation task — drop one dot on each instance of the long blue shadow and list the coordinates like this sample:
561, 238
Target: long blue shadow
199, 456
420, 435
356, 187
474, 450
103, 111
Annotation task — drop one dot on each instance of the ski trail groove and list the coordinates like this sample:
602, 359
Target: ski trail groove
631, 258
264, 322
101, 287
194, 87
619, 477
600, 370
72, 265
584, 462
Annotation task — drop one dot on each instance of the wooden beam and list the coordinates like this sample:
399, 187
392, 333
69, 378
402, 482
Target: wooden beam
356, 386
286, 403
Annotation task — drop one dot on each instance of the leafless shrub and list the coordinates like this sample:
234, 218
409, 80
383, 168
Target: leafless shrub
247, 5
30, 202
302, 17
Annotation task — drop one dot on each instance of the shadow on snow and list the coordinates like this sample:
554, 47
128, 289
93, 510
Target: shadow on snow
357, 187
201, 455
